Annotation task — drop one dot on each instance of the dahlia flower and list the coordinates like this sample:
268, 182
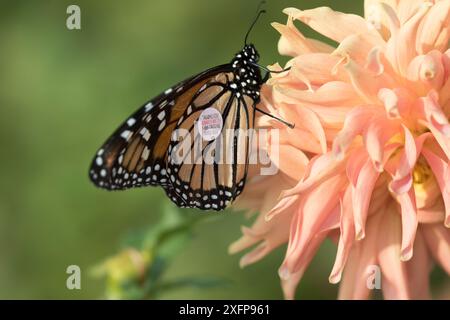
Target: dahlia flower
368, 163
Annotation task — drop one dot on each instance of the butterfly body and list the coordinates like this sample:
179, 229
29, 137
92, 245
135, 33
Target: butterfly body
141, 152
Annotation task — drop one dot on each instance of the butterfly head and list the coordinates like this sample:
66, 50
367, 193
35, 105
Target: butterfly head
248, 53
247, 73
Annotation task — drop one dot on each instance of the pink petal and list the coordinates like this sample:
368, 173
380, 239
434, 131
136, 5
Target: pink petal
283, 205
289, 281
436, 121
317, 67
319, 169
431, 214
444, 94
382, 16
407, 9
365, 83
270, 234
355, 163
308, 143
361, 195
418, 270
358, 47
290, 161
354, 125
307, 119
409, 223
346, 238
332, 24
332, 94
441, 170
318, 211
398, 103
399, 52
430, 30
257, 187
374, 61
390, 101
377, 134
363, 255
427, 71
402, 178
438, 240
293, 43
395, 280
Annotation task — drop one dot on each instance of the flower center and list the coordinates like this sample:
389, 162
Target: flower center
422, 172
425, 184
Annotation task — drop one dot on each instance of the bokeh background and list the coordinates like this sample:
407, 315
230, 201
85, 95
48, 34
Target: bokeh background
63, 92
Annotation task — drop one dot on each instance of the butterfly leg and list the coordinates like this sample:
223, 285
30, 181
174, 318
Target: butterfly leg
290, 125
270, 71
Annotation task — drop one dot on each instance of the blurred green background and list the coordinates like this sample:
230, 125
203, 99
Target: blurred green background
63, 92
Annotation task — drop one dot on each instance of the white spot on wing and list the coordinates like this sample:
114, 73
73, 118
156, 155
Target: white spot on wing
145, 134
148, 106
162, 125
145, 153
131, 121
126, 134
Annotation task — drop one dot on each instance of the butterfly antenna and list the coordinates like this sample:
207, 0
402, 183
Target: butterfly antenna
258, 14
290, 125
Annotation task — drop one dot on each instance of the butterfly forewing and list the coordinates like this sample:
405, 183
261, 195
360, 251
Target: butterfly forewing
135, 155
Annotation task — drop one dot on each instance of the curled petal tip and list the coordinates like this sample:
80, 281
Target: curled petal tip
283, 194
271, 214
360, 235
338, 149
243, 262
268, 216
406, 254
378, 165
447, 222
235, 247
289, 193
284, 273
394, 113
335, 278
338, 154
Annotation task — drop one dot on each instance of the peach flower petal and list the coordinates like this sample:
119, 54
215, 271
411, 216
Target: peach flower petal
363, 255
395, 281
441, 170
334, 25
438, 238
361, 195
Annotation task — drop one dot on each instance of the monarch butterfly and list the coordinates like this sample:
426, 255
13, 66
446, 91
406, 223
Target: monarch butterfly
140, 152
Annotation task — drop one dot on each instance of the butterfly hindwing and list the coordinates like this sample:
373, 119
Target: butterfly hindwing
209, 174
